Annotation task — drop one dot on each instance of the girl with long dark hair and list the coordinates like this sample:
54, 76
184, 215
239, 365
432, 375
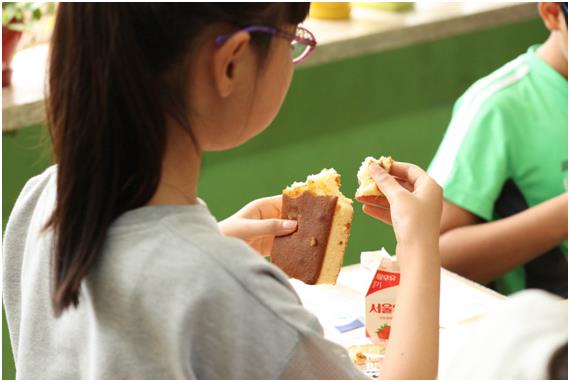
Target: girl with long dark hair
114, 268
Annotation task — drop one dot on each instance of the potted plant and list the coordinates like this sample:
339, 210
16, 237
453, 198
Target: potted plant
16, 18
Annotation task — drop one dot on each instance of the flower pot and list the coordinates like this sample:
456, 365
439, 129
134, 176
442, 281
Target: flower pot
10, 39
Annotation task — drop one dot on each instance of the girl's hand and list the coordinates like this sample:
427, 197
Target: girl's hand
257, 223
412, 205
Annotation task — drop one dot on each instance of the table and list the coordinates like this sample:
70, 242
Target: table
461, 300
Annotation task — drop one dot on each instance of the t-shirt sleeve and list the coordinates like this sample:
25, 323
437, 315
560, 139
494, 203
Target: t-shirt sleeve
317, 358
472, 161
15, 241
253, 326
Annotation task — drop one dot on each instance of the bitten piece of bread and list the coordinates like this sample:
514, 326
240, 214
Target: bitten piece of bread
366, 185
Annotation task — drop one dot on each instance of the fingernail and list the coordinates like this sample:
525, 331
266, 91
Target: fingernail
289, 224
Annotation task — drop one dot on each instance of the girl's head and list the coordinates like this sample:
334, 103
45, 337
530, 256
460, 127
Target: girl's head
238, 83
123, 76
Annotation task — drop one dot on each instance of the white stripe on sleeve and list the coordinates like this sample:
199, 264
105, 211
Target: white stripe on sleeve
449, 148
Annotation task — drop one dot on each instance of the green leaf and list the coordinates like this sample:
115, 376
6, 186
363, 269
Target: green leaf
25, 12
37, 14
19, 15
7, 15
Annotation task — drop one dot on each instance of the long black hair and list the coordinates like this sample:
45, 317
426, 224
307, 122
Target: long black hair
107, 102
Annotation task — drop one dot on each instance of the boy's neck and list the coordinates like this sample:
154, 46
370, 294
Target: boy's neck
550, 53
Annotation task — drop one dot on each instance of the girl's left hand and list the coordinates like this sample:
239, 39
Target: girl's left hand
257, 223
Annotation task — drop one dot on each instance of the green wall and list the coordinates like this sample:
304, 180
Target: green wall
393, 103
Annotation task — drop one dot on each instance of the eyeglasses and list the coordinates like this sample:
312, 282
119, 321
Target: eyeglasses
302, 41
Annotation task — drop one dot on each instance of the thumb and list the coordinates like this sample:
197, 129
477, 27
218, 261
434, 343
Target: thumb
385, 182
269, 227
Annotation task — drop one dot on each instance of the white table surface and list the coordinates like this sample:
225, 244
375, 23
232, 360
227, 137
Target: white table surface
461, 300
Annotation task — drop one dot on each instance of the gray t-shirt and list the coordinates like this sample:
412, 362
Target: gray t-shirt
170, 297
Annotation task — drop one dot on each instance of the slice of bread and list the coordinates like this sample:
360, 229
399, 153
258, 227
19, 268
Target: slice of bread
366, 185
315, 252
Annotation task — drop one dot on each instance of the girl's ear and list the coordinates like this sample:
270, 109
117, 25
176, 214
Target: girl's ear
226, 60
550, 13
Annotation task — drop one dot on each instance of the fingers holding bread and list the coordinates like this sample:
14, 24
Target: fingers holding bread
366, 184
379, 213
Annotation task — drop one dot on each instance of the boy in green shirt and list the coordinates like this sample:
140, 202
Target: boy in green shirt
503, 164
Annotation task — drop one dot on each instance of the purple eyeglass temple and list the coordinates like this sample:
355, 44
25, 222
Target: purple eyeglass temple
252, 28
310, 43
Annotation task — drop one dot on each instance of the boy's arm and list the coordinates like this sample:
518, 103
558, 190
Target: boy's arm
485, 251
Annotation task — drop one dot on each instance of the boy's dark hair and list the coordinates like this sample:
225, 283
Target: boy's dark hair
108, 98
564, 7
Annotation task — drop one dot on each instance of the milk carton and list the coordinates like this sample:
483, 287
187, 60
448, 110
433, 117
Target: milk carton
381, 296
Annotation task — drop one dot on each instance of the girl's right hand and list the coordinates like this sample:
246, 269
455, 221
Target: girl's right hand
258, 223
412, 205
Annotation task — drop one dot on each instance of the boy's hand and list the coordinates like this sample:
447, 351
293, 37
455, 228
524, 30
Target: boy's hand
257, 223
412, 205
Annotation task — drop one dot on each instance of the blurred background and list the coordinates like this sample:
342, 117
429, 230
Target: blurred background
382, 81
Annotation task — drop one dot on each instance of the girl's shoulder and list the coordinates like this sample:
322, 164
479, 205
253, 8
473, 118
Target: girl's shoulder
36, 186
33, 205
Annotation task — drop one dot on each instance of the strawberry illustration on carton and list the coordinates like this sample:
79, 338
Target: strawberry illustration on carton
380, 300
384, 332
